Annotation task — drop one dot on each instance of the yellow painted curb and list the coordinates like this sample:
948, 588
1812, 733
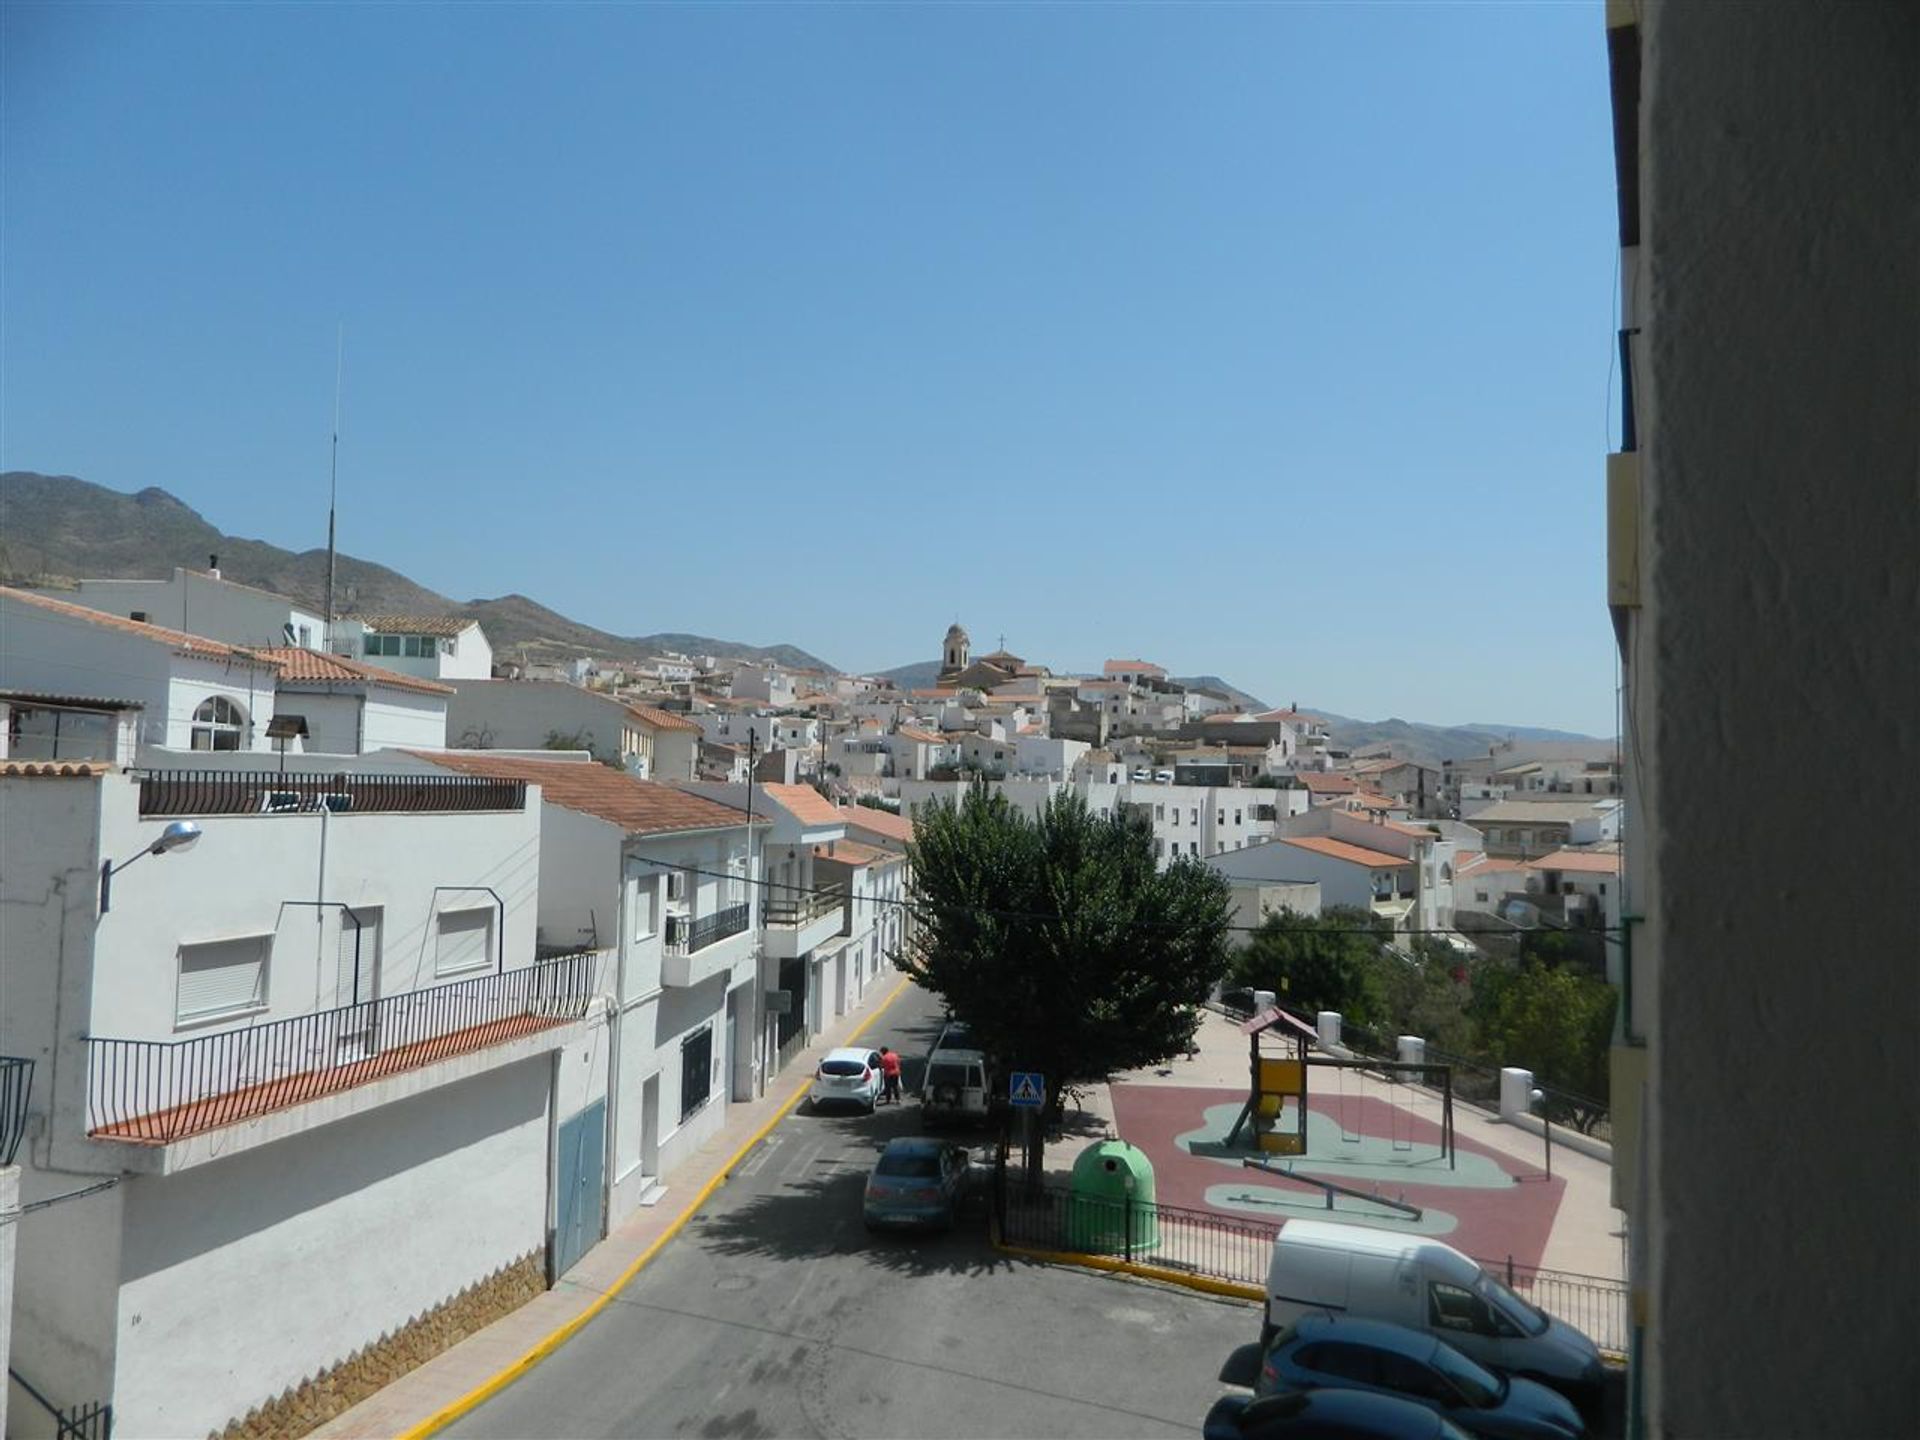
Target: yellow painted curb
551, 1342
1133, 1267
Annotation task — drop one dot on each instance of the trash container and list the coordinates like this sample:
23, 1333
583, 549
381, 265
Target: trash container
1110, 1202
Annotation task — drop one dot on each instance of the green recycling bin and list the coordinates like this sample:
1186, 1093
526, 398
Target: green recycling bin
1110, 1207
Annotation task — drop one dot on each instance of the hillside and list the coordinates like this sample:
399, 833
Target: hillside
55, 529
1430, 744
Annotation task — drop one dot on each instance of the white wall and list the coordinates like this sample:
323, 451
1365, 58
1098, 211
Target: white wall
405, 719
197, 603
243, 1277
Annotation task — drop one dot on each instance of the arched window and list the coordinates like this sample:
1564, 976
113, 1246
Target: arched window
218, 724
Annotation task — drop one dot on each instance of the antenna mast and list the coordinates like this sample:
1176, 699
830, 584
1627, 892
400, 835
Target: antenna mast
333, 476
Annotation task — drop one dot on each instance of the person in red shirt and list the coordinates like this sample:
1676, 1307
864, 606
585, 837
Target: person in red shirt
890, 1075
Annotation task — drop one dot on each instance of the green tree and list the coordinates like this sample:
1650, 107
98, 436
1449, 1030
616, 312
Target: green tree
1557, 1023
1058, 940
1313, 963
1426, 993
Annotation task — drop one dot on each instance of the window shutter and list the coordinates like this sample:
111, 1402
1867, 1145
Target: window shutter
223, 977
463, 942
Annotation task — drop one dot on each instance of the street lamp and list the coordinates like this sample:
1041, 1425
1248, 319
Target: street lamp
180, 835
1539, 1098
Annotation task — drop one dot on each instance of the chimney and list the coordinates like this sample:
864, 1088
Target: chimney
213, 567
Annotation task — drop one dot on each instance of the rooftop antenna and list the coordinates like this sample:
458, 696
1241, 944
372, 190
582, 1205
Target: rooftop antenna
333, 472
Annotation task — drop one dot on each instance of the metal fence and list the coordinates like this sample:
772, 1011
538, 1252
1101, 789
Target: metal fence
691, 937
264, 792
91, 1421
1238, 1251
16, 1088
797, 907
158, 1090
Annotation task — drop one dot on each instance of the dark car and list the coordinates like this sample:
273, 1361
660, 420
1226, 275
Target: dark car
917, 1181
1322, 1352
1325, 1415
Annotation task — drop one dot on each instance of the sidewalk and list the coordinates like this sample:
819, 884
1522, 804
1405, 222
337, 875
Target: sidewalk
1585, 1231
456, 1373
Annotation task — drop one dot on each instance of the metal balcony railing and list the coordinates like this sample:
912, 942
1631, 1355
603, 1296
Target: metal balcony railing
265, 792
16, 1088
690, 937
799, 907
156, 1091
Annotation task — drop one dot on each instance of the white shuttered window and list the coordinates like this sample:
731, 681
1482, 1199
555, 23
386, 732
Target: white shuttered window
223, 977
464, 941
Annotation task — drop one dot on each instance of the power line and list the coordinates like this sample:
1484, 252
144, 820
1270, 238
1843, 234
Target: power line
94, 1189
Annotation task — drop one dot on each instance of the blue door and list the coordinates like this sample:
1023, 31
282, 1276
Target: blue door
577, 1207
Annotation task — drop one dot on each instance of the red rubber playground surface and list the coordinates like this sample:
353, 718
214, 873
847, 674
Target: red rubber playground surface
1504, 1207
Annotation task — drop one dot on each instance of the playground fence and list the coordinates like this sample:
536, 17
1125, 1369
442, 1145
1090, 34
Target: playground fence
1237, 1250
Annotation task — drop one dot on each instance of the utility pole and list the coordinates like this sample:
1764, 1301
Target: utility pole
333, 478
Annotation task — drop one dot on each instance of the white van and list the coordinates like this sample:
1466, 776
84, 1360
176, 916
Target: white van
1322, 1268
958, 1086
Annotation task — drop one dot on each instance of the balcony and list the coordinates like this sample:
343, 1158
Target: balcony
691, 955
798, 920
265, 792
154, 1092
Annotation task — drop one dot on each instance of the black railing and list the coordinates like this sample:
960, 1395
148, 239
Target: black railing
1239, 1251
16, 1088
690, 937
258, 792
92, 1421
155, 1091
798, 907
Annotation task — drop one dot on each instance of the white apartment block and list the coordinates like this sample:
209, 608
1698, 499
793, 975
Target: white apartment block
278, 1051
535, 714
202, 602
770, 686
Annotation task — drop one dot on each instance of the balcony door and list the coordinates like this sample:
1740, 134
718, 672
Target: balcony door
357, 983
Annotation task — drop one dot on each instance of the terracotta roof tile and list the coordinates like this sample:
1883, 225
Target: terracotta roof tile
1592, 862
852, 852
1133, 667
1319, 782
662, 719
638, 807
313, 666
878, 822
919, 736
415, 624
54, 769
1341, 850
26, 698
178, 641
805, 803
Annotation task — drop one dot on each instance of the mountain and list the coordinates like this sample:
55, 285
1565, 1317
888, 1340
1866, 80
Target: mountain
1221, 687
918, 676
55, 529
1430, 744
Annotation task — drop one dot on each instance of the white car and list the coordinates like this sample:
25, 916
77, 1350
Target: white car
847, 1077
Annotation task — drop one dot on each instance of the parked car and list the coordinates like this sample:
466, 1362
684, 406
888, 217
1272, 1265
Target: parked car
917, 1181
847, 1077
958, 1086
1325, 1415
1321, 1352
1319, 1266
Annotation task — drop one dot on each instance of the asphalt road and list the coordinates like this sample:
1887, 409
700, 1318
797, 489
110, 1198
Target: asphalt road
774, 1313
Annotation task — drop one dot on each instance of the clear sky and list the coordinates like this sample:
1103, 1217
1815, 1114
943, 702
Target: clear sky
1270, 341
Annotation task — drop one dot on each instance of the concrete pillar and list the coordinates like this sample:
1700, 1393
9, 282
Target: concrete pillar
1328, 1023
1516, 1093
9, 1231
1412, 1049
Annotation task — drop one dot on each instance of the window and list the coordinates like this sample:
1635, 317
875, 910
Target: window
1176, 817
382, 645
1194, 815
306, 637
1159, 848
1236, 818
218, 725
640, 917
222, 978
1220, 818
1160, 812
1348, 1362
139, 615
463, 941
420, 647
696, 1070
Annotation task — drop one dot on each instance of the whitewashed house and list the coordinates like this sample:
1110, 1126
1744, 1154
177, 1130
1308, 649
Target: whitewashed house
294, 1083
203, 602
348, 707
872, 921
532, 714
433, 647
37, 726
768, 684
193, 693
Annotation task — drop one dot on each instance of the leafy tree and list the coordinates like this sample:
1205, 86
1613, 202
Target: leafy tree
1058, 941
1555, 1021
1313, 963
1426, 993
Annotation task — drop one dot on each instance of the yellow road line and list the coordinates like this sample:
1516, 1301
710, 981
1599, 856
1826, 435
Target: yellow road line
500, 1380
1107, 1263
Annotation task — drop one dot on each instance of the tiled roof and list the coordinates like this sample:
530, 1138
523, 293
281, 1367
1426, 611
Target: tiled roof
1299, 717
1341, 850
662, 719
638, 807
415, 624
178, 641
805, 804
918, 736
1133, 667
1230, 717
852, 852
1370, 800
54, 769
1593, 862
878, 822
70, 702
314, 666
1543, 812
1319, 782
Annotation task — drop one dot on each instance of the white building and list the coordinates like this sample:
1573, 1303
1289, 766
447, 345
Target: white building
349, 707
765, 683
38, 726
268, 1067
433, 647
872, 924
193, 693
536, 714
1534, 827
764, 732
1265, 881
202, 602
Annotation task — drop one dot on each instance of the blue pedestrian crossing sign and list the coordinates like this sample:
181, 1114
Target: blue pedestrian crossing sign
1027, 1088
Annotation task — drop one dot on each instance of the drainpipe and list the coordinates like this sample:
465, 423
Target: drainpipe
320, 914
611, 1169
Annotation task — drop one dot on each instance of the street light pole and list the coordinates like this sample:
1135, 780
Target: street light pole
1539, 1097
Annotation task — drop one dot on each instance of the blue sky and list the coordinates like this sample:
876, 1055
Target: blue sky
1267, 341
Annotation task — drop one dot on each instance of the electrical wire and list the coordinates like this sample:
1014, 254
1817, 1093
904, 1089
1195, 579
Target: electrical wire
81, 1193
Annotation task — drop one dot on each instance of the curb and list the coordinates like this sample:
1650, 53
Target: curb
559, 1336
